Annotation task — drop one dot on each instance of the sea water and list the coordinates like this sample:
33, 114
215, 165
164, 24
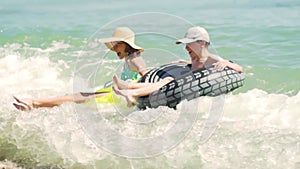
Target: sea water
51, 48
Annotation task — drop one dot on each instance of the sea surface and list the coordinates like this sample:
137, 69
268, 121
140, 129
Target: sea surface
50, 48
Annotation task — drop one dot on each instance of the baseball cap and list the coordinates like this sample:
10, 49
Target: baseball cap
194, 34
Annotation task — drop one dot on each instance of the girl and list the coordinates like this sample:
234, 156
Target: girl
121, 42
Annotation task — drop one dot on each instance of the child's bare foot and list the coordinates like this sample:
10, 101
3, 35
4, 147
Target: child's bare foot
131, 101
23, 104
120, 83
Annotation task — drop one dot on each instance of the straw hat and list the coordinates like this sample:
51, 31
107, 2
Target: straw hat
123, 34
193, 34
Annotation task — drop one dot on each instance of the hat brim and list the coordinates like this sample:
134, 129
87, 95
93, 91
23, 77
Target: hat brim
185, 40
109, 45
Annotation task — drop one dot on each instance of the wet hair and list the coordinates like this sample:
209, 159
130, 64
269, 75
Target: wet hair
130, 50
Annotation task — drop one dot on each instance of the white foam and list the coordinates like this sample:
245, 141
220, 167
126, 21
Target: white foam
60, 134
265, 109
56, 46
20, 73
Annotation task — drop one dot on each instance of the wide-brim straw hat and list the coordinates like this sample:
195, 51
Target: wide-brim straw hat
123, 34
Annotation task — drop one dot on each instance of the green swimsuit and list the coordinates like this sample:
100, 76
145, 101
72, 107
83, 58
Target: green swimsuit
126, 75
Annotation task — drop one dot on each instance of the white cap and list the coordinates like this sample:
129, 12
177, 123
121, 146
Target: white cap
194, 34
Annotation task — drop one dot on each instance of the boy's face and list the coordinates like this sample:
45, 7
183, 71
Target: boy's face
193, 49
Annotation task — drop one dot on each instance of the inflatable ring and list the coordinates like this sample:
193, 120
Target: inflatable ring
188, 84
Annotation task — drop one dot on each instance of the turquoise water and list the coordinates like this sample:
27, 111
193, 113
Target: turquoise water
46, 46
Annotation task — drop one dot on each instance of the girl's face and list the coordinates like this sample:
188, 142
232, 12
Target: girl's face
119, 48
